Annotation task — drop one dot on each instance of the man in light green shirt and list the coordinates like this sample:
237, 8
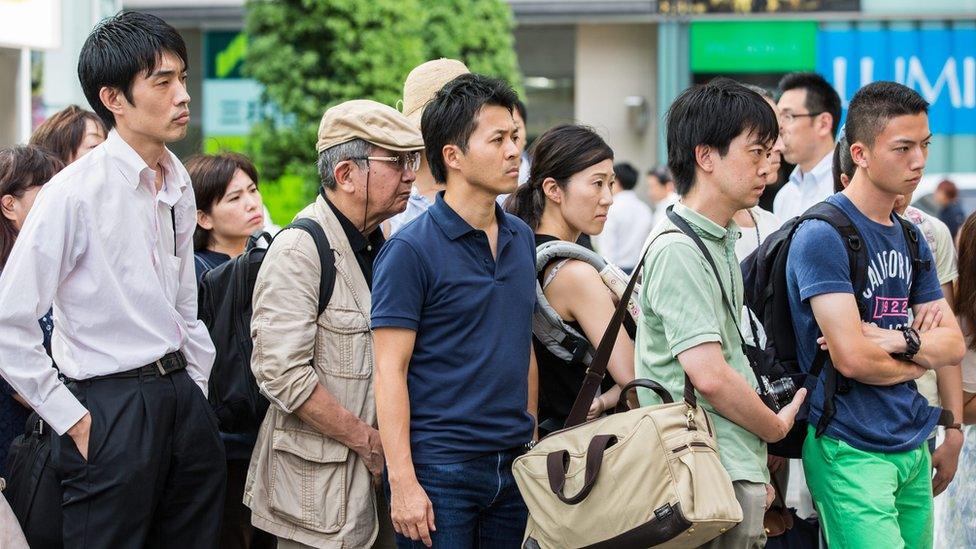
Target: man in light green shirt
719, 140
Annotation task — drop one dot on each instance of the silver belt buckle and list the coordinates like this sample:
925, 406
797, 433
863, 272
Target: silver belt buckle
159, 366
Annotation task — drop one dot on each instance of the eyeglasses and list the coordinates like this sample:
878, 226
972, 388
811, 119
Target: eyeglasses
403, 161
790, 117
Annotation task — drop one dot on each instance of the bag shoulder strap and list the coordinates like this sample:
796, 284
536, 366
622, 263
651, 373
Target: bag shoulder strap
598, 366
690, 233
326, 257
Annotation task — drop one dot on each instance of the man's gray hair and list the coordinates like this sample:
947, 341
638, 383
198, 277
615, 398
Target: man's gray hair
329, 158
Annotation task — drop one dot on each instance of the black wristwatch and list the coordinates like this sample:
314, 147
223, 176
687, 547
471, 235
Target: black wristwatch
912, 341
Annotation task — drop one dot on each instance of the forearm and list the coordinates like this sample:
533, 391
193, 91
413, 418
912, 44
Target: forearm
737, 401
940, 347
883, 370
393, 414
326, 415
969, 408
949, 381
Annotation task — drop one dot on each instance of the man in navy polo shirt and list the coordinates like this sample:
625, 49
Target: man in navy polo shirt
453, 294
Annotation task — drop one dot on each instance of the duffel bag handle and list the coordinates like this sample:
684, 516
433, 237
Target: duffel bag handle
557, 462
646, 384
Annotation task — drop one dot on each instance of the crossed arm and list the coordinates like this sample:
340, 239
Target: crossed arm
863, 351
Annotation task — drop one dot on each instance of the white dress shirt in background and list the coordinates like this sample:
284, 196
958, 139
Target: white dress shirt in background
766, 224
805, 189
660, 209
629, 221
98, 244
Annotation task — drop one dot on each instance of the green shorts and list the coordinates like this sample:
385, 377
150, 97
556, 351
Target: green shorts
870, 499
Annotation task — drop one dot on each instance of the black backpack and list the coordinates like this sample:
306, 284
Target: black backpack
34, 485
225, 308
776, 366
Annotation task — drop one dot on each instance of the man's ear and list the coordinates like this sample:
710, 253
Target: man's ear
7, 207
705, 158
344, 175
825, 124
860, 154
113, 99
204, 220
452, 156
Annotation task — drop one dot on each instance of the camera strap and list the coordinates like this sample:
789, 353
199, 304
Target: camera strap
690, 233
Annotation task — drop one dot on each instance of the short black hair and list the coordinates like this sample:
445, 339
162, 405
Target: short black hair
713, 114
662, 173
875, 104
821, 96
520, 107
452, 115
626, 175
118, 50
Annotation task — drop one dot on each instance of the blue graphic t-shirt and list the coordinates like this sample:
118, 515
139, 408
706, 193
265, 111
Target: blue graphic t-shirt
869, 417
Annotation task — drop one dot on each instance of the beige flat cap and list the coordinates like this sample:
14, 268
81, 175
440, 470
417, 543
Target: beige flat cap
370, 121
424, 81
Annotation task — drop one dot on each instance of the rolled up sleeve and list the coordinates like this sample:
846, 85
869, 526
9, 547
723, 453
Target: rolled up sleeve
283, 325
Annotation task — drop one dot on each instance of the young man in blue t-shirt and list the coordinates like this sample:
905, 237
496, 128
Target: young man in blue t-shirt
452, 303
869, 474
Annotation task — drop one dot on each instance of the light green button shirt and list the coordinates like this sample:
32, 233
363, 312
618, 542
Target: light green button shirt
681, 308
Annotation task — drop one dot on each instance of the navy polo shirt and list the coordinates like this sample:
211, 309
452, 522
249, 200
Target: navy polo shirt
468, 375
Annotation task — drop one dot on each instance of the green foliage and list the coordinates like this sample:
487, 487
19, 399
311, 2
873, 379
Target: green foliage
312, 54
478, 32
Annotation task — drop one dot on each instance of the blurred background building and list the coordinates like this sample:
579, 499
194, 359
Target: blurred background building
612, 64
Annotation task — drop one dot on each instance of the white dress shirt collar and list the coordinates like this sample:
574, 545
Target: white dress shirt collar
135, 171
823, 170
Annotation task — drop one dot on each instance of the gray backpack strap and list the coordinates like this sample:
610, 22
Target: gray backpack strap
561, 339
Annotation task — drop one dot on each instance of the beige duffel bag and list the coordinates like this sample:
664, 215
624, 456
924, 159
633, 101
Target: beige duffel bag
648, 477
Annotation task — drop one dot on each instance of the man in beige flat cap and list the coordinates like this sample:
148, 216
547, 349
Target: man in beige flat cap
418, 89
318, 453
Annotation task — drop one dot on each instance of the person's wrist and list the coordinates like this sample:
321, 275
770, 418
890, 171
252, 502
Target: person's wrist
80, 427
953, 434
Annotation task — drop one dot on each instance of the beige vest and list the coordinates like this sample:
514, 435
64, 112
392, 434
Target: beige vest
302, 485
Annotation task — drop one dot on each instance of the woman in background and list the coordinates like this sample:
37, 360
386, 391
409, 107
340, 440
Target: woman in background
568, 194
69, 134
954, 525
229, 211
23, 171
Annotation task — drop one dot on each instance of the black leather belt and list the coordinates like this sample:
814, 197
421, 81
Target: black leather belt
171, 362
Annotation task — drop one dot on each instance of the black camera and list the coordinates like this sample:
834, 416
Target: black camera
776, 393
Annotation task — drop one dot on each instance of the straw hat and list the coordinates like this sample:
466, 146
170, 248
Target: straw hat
424, 81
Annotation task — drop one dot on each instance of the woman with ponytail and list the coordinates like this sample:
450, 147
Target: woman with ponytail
568, 195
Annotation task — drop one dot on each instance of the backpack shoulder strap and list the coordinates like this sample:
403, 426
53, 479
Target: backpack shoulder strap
857, 253
911, 239
326, 257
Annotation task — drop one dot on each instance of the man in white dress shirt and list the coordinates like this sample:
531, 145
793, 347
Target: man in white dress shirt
660, 189
109, 244
809, 114
629, 221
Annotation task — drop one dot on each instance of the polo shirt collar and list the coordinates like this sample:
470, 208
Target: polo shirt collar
823, 169
705, 226
454, 226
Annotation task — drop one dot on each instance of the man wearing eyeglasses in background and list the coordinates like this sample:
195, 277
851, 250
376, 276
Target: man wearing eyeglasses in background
318, 455
809, 116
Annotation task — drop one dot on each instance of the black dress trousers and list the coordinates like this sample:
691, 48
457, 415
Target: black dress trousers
156, 471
